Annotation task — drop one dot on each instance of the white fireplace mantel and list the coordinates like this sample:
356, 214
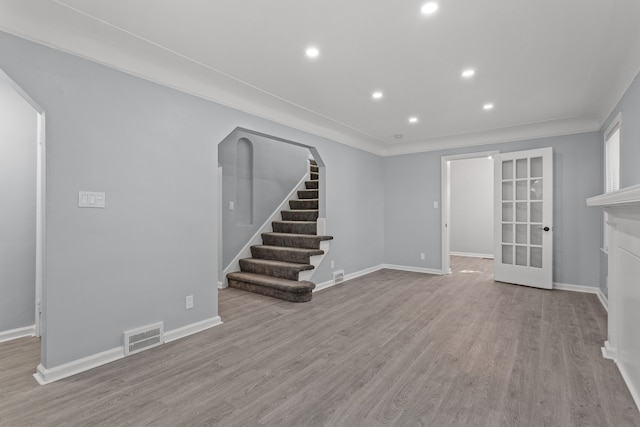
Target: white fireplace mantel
623, 343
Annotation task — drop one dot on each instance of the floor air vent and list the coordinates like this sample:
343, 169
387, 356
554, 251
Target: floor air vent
338, 277
143, 338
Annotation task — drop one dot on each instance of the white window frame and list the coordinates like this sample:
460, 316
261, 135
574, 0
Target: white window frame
611, 168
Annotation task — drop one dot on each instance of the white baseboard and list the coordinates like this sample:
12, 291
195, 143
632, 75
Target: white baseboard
635, 393
48, 375
472, 255
12, 334
603, 300
609, 352
191, 329
585, 290
575, 288
221, 285
413, 269
347, 277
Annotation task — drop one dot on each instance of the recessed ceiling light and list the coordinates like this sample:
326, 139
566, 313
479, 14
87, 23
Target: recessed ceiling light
413, 120
397, 136
312, 52
429, 8
468, 73
487, 106
376, 95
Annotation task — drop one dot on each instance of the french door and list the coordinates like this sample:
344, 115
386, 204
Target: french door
523, 228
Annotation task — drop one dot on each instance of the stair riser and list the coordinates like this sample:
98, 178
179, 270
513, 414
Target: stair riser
299, 216
275, 293
311, 185
295, 228
288, 273
303, 204
266, 253
314, 176
308, 194
314, 169
292, 241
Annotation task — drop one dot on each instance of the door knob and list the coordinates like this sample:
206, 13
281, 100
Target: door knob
546, 228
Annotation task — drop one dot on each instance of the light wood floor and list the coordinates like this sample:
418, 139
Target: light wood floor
397, 348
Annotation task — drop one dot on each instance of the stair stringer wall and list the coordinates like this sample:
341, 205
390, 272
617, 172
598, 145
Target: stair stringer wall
256, 239
316, 260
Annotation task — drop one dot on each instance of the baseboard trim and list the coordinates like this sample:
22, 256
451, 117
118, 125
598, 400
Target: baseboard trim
191, 329
635, 393
13, 334
471, 255
413, 269
48, 375
603, 300
575, 288
347, 277
609, 352
585, 290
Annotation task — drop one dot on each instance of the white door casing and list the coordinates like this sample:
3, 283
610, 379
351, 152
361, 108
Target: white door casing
523, 197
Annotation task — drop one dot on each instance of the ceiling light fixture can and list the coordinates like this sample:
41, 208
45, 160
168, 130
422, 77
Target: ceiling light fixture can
312, 52
487, 106
468, 73
413, 120
376, 95
429, 8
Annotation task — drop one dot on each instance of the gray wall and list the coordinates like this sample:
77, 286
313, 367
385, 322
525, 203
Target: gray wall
629, 106
18, 133
154, 151
471, 214
412, 225
277, 169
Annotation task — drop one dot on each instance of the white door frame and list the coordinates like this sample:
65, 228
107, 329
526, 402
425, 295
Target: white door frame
445, 200
41, 229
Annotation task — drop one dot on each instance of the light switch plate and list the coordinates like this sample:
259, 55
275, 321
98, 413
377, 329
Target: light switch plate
91, 199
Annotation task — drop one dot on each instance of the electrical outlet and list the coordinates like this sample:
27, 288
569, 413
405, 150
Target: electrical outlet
422, 256
232, 205
188, 302
333, 264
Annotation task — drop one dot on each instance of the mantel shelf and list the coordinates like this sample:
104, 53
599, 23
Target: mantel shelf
627, 196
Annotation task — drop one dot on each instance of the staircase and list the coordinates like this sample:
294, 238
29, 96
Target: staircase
277, 265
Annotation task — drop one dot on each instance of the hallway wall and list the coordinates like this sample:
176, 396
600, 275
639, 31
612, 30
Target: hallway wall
18, 134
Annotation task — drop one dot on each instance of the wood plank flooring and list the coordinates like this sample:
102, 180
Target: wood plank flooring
390, 348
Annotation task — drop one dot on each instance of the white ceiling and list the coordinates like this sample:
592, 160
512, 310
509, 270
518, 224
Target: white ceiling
550, 67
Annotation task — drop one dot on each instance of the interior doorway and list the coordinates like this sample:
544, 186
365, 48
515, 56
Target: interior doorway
22, 124
467, 209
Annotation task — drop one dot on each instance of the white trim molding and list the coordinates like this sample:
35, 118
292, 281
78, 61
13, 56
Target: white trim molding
585, 290
575, 288
623, 228
48, 375
193, 328
347, 277
413, 269
12, 334
603, 300
472, 255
